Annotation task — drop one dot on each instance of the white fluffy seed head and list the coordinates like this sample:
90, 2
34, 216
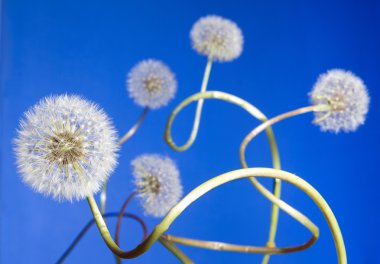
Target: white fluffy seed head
347, 97
66, 147
218, 37
157, 182
151, 84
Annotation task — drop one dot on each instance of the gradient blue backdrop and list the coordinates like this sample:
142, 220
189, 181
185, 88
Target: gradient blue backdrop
86, 48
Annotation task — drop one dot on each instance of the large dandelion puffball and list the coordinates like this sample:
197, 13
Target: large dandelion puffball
348, 98
157, 183
151, 84
217, 37
66, 147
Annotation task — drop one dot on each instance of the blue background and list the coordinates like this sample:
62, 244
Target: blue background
87, 47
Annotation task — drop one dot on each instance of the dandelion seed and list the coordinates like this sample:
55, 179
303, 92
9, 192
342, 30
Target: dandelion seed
66, 147
348, 98
217, 37
151, 84
157, 182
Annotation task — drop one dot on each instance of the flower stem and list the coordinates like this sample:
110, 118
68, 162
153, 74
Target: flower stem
266, 125
169, 245
270, 122
175, 250
128, 135
119, 218
205, 188
90, 223
118, 224
133, 129
207, 95
198, 111
273, 146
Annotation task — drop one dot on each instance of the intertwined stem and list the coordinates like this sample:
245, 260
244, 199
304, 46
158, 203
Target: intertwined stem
198, 112
207, 186
276, 202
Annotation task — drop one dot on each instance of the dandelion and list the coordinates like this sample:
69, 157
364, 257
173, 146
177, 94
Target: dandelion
157, 183
347, 97
151, 84
66, 147
217, 37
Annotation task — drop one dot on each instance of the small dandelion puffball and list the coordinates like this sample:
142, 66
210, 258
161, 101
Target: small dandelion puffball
217, 37
157, 182
66, 147
347, 96
151, 84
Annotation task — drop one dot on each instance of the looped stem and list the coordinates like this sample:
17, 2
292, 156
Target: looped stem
200, 97
198, 112
268, 123
274, 151
205, 188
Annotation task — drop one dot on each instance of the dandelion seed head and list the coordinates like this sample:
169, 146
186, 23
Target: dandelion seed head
348, 99
66, 147
151, 84
158, 184
218, 37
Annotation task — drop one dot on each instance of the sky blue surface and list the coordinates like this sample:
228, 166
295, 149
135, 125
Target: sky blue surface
87, 47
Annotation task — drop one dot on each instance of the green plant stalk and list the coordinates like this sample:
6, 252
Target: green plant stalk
298, 216
266, 125
272, 142
128, 135
208, 95
208, 186
276, 191
198, 111
175, 250
273, 146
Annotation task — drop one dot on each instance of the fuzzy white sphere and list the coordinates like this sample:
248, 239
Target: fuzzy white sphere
151, 84
157, 182
66, 147
218, 37
348, 98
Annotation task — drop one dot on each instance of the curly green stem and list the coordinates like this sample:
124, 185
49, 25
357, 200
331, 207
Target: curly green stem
175, 250
266, 125
255, 113
208, 186
198, 111
273, 146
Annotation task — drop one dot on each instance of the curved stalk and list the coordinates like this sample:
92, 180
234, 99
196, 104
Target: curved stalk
265, 125
128, 135
133, 129
198, 111
272, 142
90, 223
175, 250
273, 146
207, 95
208, 186
120, 217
